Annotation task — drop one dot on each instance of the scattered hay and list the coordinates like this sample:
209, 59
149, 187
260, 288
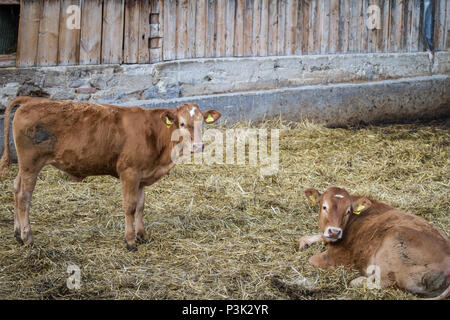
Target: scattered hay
223, 231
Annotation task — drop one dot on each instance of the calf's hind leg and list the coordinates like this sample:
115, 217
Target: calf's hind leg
141, 235
23, 190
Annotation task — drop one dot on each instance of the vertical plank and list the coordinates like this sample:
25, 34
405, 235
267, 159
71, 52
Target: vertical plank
200, 32
230, 15
69, 39
170, 19
383, 25
191, 32
364, 31
144, 32
248, 27
447, 28
131, 33
112, 35
157, 38
47, 53
264, 31
181, 28
306, 27
299, 31
372, 33
27, 44
408, 24
211, 29
312, 31
344, 25
256, 27
441, 15
334, 26
396, 25
281, 27
323, 26
353, 38
91, 38
273, 28
220, 28
291, 26
415, 23
239, 29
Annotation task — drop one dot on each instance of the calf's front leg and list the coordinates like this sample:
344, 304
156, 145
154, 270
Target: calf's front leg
306, 241
130, 192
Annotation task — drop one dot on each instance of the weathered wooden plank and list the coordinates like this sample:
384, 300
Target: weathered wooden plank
248, 27
91, 38
415, 23
272, 35
256, 27
181, 28
291, 26
306, 27
396, 25
239, 29
220, 28
131, 33
323, 19
211, 29
112, 35
373, 9
68, 38
200, 29
47, 53
334, 26
447, 27
170, 23
299, 30
440, 27
363, 32
230, 22
191, 32
264, 28
281, 27
353, 34
156, 22
344, 25
27, 44
380, 32
143, 54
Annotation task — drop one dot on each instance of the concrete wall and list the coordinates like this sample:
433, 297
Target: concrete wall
335, 89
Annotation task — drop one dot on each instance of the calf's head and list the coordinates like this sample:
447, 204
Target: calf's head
188, 119
335, 208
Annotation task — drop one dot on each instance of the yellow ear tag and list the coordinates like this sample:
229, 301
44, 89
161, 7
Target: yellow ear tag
358, 210
168, 122
313, 200
210, 119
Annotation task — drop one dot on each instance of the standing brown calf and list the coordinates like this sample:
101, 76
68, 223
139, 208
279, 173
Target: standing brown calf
410, 253
86, 139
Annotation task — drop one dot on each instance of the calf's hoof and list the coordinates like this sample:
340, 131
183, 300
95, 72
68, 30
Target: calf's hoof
141, 239
18, 238
131, 247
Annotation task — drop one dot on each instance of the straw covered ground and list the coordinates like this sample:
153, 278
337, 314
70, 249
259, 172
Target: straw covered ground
223, 231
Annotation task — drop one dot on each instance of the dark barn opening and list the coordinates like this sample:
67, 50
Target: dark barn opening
9, 26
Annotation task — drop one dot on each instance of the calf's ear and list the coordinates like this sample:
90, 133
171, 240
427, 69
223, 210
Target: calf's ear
169, 117
313, 196
361, 205
211, 116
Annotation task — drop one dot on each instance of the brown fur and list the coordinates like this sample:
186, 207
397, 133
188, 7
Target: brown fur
86, 139
411, 254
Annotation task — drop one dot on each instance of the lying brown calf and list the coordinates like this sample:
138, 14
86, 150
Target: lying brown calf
85, 139
409, 252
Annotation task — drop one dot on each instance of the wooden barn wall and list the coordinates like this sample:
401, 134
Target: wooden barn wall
147, 31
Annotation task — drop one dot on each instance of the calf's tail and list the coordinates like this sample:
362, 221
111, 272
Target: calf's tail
5, 161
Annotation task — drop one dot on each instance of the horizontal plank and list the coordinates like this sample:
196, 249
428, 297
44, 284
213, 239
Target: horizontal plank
7, 60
